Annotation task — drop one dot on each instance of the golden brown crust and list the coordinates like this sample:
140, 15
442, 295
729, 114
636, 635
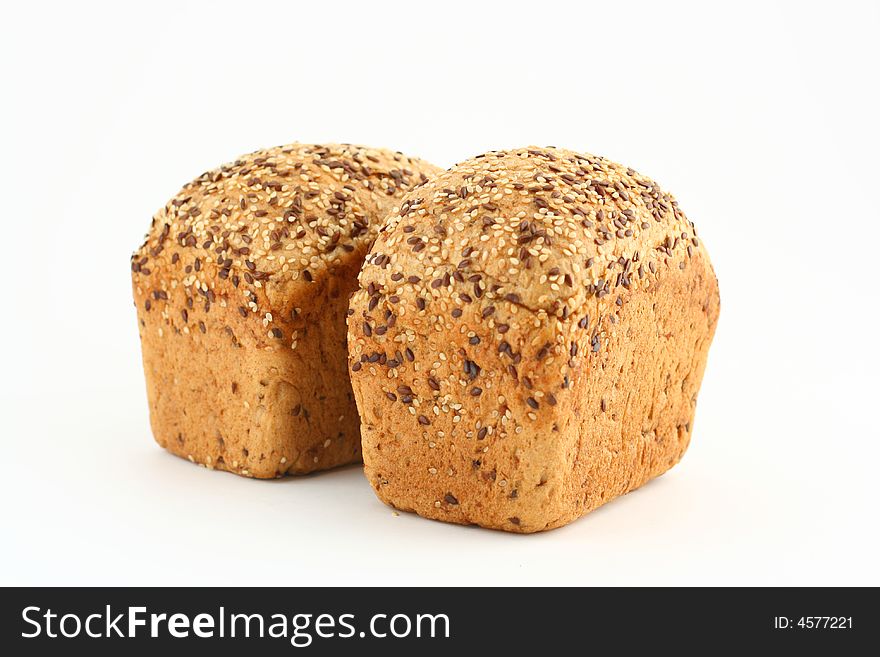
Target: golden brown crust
528, 339
241, 288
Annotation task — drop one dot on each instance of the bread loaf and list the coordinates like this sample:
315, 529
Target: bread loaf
528, 340
241, 289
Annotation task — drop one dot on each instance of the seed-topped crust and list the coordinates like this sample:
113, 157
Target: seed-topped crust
273, 218
241, 287
542, 228
489, 308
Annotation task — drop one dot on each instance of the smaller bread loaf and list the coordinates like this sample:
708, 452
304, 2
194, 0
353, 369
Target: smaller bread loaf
241, 289
528, 339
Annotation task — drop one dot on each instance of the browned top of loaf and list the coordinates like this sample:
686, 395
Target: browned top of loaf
541, 228
282, 213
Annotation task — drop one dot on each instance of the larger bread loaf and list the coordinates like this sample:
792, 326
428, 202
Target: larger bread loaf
528, 339
241, 289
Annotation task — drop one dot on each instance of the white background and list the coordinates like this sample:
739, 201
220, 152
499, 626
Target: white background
761, 117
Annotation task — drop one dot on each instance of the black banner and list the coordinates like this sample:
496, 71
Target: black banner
432, 621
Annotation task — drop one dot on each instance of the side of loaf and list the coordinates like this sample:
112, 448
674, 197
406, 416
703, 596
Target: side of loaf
528, 340
241, 289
